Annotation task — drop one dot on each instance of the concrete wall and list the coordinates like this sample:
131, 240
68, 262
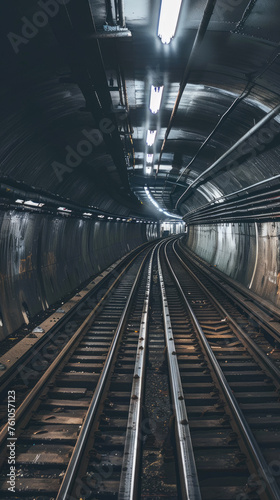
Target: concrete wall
248, 253
43, 258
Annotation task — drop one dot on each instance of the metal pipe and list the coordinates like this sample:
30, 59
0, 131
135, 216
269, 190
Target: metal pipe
217, 126
259, 202
249, 86
257, 184
109, 12
121, 13
197, 42
255, 204
251, 218
234, 214
274, 112
48, 201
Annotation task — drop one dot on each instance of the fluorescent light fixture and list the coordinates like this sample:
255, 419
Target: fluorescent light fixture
101, 216
148, 170
110, 218
63, 209
155, 98
20, 201
151, 135
150, 158
155, 203
168, 19
88, 214
33, 203
118, 218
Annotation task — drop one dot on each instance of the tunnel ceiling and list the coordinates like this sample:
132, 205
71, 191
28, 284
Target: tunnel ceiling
75, 92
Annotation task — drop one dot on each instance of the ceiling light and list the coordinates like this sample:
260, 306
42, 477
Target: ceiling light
155, 99
20, 201
148, 170
151, 135
101, 216
155, 203
150, 158
87, 213
168, 19
63, 209
33, 203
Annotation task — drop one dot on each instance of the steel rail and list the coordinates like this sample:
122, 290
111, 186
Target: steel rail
42, 383
265, 362
190, 489
271, 114
130, 466
261, 468
77, 454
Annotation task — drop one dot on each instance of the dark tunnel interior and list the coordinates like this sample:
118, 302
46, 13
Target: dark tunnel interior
115, 134
75, 117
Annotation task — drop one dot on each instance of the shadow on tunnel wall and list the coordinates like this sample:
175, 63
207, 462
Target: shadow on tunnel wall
247, 252
44, 258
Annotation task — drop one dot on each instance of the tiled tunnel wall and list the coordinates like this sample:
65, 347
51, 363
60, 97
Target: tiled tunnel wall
43, 258
247, 252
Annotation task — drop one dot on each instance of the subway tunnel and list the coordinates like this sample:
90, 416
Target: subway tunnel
131, 129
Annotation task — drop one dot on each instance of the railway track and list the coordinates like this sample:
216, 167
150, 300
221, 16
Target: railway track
231, 392
159, 393
238, 298
55, 415
24, 364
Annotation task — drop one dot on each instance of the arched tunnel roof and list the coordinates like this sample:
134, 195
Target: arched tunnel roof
75, 90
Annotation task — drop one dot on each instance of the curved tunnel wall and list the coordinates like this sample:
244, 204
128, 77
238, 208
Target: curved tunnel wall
43, 258
247, 252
